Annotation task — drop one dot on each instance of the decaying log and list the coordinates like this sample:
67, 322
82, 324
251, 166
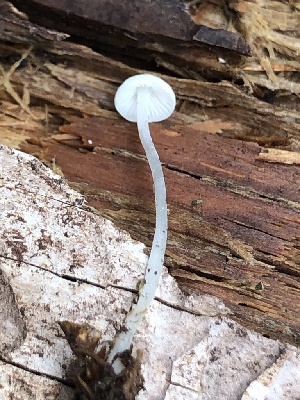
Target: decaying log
234, 213
62, 262
200, 39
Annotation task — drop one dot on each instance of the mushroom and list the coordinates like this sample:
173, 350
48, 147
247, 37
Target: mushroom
146, 98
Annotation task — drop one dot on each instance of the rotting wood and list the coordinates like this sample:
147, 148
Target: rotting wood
15, 25
194, 39
240, 241
279, 156
62, 266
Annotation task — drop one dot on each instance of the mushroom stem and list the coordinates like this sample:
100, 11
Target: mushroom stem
156, 258
158, 249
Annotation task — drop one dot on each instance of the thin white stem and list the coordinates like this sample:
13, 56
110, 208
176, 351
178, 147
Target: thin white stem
156, 258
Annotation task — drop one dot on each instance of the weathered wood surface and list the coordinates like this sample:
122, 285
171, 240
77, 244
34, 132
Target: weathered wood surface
234, 216
60, 261
204, 40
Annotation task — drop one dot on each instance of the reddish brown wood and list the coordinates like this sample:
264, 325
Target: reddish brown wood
241, 243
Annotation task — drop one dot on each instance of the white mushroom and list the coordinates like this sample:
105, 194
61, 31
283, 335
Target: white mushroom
146, 98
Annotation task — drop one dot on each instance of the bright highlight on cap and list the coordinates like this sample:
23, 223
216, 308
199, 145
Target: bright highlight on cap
161, 98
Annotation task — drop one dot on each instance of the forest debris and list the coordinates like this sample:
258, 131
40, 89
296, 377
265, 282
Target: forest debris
212, 125
279, 156
199, 34
5, 81
97, 379
223, 38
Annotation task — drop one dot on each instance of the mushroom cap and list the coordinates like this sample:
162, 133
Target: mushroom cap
161, 103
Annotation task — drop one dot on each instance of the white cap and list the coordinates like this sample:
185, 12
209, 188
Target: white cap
162, 99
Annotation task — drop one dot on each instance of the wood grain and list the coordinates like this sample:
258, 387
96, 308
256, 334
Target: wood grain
240, 243
234, 215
